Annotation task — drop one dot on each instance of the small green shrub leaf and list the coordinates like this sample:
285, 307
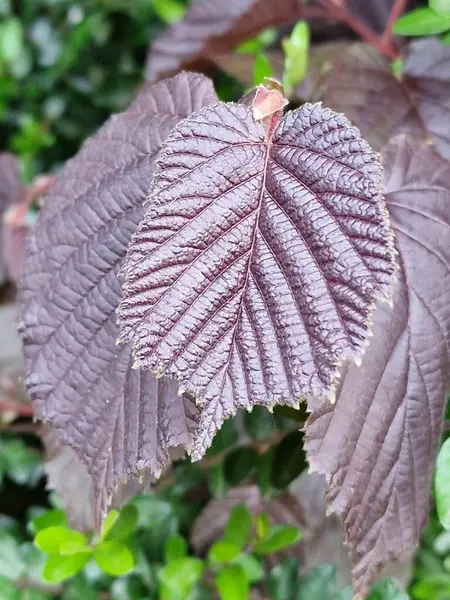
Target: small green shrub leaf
114, 558
317, 584
238, 527
278, 538
58, 568
232, 583
262, 525
422, 21
259, 423
239, 464
252, 567
53, 539
175, 548
387, 589
179, 577
289, 460
123, 525
442, 484
296, 49
50, 518
283, 579
223, 551
441, 7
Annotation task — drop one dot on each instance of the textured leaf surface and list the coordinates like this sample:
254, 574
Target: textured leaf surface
377, 446
253, 274
214, 26
119, 421
362, 85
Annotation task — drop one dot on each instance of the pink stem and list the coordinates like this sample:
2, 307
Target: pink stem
396, 12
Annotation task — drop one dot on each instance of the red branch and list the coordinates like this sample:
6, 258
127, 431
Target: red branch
396, 12
339, 11
19, 409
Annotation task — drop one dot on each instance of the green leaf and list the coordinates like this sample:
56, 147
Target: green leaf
422, 21
9, 591
121, 525
179, 577
78, 588
387, 589
59, 540
258, 44
232, 583
264, 471
23, 465
114, 558
238, 528
259, 423
58, 568
278, 538
296, 49
445, 39
157, 521
175, 548
318, 583
11, 40
283, 579
223, 551
262, 69
345, 594
216, 480
252, 567
50, 518
226, 437
442, 484
262, 525
239, 465
34, 560
289, 460
441, 7
12, 565
169, 11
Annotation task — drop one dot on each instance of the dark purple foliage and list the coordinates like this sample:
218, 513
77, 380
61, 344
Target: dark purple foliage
362, 84
378, 444
119, 421
253, 275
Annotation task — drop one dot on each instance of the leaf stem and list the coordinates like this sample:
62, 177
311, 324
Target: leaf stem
396, 12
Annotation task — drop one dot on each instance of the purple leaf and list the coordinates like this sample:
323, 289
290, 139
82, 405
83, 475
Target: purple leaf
362, 85
377, 446
10, 193
213, 26
254, 272
119, 422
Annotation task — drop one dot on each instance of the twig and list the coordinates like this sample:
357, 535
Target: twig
11, 406
396, 12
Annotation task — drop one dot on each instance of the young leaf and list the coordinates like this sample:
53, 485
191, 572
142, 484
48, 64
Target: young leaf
69, 296
223, 551
442, 484
114, 558
262, 69
278, 538
52, 539
257, 243
238, 527
212, 26
377, 446
362, 85
232, 583
296, 48
422, 21
49, 518
58, 568
262, 525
